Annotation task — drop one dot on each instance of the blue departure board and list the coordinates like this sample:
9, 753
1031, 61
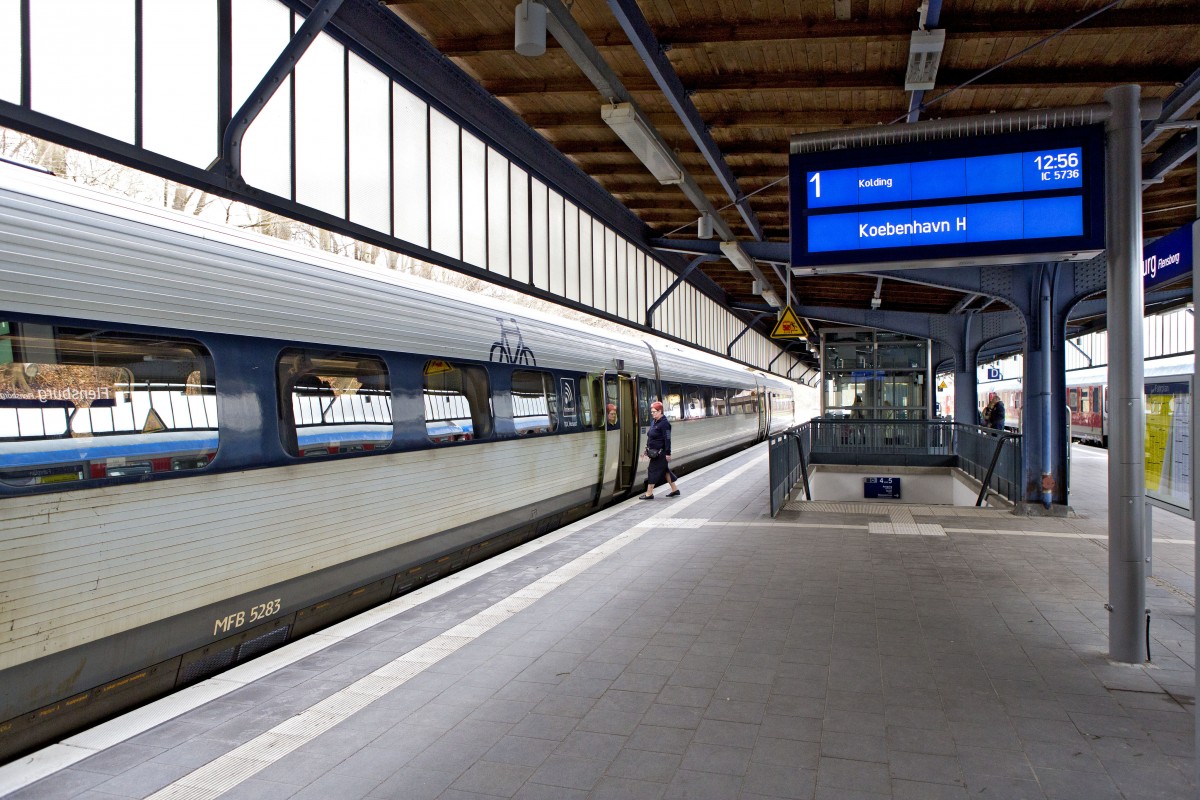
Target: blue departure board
1039, 192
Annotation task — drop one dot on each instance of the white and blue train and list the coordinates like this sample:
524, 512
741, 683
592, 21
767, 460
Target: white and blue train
212, 443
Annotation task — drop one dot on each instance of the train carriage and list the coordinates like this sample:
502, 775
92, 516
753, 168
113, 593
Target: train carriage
211, 443
1087, 396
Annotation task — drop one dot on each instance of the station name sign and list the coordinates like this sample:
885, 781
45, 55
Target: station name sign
1168, 258
1014, 194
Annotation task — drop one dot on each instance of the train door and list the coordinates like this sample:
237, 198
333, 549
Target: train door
620, 433
764, 411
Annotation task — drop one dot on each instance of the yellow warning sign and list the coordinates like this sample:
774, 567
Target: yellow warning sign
154, 423
788, 326
437, 367
943, 386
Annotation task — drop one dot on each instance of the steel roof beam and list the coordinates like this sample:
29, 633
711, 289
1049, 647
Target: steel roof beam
565, 30
1181, 145
1175, 106
638, 30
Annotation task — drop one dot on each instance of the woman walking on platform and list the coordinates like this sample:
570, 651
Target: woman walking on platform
658, 450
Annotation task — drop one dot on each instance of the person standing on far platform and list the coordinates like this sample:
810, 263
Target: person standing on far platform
993, 415
658, 450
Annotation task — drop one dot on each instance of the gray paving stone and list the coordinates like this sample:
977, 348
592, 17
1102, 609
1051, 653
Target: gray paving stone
621, 723
255, 789
925, 768
720, 759
832, 793
65, 783
855, 722
409, 783
854, 746
569, 773
786, 752
544, 726
645, 765
673, 716
846, 774
492, 778
620, 788
1002, 763
727, 733
119, 758
1063, 785
780, 781
916, 740
913, 790
587, 744
1076, 757
660, 739
1149, 781
688, 785
142, 780
535, 791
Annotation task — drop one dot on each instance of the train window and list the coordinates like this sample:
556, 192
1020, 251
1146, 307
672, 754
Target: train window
646, 396
534, 402
719, 403
585, 403
333, 403
694, 405
612, 399
458, 403
744, 401
81, 404
673, 404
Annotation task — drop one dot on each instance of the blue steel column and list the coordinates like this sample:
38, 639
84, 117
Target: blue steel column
1045, 331
1045, 445
966, 375
1126, 441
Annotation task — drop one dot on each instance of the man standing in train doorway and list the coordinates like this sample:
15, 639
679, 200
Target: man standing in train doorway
993, 415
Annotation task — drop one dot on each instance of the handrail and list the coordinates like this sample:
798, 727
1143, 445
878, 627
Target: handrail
803, 463
987, 478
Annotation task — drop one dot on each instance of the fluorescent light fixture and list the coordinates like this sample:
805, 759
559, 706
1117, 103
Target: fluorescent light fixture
639, 137
529, 32
924, 55
744, 263
739, 257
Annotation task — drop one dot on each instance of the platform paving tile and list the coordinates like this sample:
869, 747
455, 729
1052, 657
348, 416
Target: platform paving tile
142, 780
65, 783
410, 783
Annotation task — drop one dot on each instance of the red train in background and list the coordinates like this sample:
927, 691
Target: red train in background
1087, 396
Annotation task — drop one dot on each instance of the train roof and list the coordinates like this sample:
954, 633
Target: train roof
156, 267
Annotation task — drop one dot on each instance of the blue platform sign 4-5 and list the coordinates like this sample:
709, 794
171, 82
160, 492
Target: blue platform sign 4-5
874, 488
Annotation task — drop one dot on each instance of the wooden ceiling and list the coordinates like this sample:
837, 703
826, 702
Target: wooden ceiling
761, 71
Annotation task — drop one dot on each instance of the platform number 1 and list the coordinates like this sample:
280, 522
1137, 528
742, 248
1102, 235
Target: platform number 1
816, 179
